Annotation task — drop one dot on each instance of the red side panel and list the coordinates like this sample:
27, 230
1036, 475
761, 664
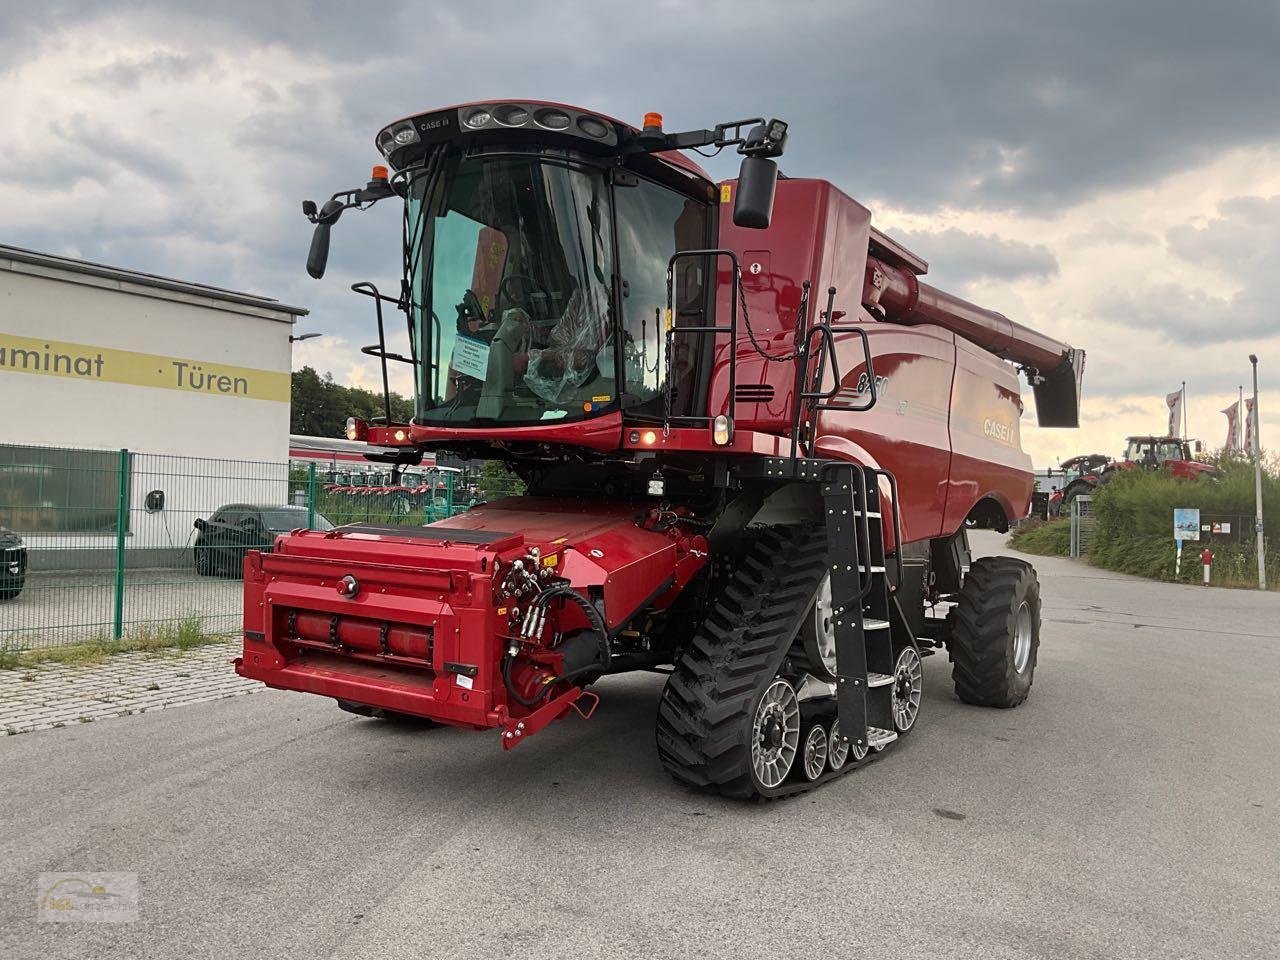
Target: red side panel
988, 460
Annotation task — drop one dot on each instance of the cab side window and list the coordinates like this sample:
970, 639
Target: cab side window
653, 224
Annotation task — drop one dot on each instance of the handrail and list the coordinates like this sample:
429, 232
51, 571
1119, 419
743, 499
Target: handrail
731, 330
817, 399
897, 524
379, 349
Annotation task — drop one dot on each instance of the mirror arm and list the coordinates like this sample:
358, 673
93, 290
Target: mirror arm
360, 199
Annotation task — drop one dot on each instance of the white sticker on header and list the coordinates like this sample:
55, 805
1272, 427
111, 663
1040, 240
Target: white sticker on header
471, 357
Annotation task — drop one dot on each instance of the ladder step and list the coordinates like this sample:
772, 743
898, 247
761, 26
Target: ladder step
870, 623
879, 679
878, 737
862, 569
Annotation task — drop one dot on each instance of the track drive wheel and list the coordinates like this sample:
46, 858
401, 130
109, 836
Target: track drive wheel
727, 720
995, 633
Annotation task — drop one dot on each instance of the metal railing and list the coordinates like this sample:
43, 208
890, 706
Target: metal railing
105, 545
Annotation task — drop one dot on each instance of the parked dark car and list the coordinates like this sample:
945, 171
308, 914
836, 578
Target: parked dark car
234, 530
13, 564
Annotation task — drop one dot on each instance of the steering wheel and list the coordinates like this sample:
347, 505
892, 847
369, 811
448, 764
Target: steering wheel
533, 287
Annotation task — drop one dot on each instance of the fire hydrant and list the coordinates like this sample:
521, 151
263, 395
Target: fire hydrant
1206, 558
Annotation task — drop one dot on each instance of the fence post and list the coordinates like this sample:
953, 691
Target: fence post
122, 521
448, 495
311, 495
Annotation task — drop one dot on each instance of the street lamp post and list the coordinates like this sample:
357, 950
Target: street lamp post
1257, 477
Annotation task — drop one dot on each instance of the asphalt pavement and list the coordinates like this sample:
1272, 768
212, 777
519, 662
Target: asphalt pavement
1128, 809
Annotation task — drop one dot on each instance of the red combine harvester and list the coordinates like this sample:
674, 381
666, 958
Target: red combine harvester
751, 438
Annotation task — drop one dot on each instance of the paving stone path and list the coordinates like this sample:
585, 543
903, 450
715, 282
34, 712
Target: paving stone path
56, 695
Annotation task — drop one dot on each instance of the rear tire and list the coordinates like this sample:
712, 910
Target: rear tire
1076, 488
995, 633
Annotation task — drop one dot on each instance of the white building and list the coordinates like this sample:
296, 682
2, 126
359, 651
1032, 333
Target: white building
99, 359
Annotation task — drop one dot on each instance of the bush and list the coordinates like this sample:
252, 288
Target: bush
1051, 539
1135, 523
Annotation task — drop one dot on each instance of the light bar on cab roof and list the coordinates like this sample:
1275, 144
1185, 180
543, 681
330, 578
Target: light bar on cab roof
405, 140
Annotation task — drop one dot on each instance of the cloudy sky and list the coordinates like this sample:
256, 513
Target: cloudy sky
1108, 172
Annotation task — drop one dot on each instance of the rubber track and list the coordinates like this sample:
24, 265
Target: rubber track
703, 728
979, 637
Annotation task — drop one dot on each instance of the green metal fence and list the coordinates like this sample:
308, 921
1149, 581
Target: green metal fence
112, 544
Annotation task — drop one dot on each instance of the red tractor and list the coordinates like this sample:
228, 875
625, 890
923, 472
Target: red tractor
751, 438
1170, 454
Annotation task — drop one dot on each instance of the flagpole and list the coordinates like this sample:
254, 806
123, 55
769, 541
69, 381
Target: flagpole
1257, 477
1184, 409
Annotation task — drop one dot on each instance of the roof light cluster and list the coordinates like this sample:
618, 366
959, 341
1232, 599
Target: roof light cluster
527, 116
400, 142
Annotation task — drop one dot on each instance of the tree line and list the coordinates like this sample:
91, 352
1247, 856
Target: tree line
319, 407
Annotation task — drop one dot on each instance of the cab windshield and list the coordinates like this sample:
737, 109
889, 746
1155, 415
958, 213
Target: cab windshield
510, 261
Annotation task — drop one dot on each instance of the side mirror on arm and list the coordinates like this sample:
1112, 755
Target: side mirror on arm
757, 179
318, 257
758, 176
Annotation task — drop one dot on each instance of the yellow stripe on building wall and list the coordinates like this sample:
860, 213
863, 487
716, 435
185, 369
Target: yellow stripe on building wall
79, 361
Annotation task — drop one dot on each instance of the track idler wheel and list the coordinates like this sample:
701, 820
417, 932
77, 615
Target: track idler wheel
815, 752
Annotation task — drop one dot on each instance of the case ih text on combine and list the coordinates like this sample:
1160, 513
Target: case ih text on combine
751, 438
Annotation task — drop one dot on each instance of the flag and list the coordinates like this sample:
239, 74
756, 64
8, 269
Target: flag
1174, 400
1250, 441
1232, 414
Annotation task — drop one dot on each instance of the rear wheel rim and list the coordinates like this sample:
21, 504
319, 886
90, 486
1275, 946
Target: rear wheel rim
775, 733
908, 681
1022, 638
815, 752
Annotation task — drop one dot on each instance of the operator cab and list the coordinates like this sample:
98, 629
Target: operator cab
542, 276
539, 283
1155, 450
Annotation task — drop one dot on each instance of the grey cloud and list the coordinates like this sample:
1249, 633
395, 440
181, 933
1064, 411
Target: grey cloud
125, 75
1002, 103
1240, 250
96, 139
957, 257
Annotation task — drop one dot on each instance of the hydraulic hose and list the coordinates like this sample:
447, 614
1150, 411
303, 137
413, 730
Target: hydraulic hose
597, 624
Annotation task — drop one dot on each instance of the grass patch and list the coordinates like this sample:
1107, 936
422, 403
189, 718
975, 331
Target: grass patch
11, 652
184, 634
1045, 539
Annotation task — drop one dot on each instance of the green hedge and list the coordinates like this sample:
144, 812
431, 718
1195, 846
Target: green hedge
1135, 524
